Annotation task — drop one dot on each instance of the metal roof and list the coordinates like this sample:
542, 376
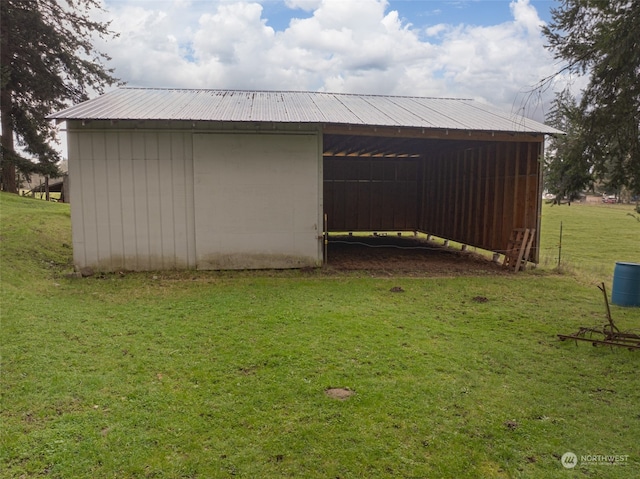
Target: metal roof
299, 107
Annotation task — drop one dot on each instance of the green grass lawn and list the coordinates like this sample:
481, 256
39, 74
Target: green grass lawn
220, 374
594, 237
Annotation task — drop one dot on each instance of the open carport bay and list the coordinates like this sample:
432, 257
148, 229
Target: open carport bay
475, 189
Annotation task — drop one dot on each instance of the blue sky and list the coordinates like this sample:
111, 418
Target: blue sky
479, 12
422, 13
489, 50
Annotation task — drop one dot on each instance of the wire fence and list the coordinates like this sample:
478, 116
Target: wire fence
551, 256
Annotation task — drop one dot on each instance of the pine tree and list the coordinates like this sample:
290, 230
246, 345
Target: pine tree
601, 38
47, 62
566, 170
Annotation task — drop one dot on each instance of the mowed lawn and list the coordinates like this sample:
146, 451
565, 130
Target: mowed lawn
594, 237
220, 374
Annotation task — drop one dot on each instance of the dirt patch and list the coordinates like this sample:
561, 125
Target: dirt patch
480, 299
339, 393
407, 256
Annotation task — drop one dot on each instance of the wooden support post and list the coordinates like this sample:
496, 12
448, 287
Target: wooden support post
64, 195
326, 239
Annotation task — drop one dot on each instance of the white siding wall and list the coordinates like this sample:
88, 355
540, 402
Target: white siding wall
257, 200
152, 199
132, 199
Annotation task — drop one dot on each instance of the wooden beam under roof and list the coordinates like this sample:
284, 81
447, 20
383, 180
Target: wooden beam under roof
426, 133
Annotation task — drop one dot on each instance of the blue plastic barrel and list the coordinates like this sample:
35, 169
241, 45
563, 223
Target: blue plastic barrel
626, 284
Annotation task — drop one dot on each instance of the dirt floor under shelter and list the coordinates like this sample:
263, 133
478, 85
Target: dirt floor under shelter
389, 255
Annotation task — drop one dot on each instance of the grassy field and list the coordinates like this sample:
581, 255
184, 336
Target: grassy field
216, 375
594, 237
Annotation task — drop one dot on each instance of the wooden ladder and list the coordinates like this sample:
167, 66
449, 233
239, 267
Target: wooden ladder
518, 248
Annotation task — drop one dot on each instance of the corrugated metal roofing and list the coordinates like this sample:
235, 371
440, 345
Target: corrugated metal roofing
299, 107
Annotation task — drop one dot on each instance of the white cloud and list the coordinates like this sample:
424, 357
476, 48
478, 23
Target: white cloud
526, 15
497, 64
436, 30
306, 5
232, 35
357, 46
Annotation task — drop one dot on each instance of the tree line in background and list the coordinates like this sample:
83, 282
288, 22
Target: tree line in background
601, 148
48, 62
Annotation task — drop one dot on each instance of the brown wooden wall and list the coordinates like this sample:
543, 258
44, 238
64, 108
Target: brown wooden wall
477, 196
371, 194
474, 195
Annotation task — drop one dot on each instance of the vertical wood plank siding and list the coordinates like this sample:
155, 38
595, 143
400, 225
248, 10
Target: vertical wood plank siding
475, 195
132, 200
479, 195
371, 194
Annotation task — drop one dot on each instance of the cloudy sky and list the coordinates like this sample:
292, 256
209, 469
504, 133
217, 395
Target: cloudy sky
489, 50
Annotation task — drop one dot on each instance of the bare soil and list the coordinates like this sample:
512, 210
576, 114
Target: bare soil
339, 393
409, 256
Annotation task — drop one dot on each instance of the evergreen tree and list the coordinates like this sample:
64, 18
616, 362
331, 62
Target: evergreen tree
601, 38
47, 62
566, 170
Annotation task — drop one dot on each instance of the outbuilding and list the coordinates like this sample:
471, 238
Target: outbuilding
218, 179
